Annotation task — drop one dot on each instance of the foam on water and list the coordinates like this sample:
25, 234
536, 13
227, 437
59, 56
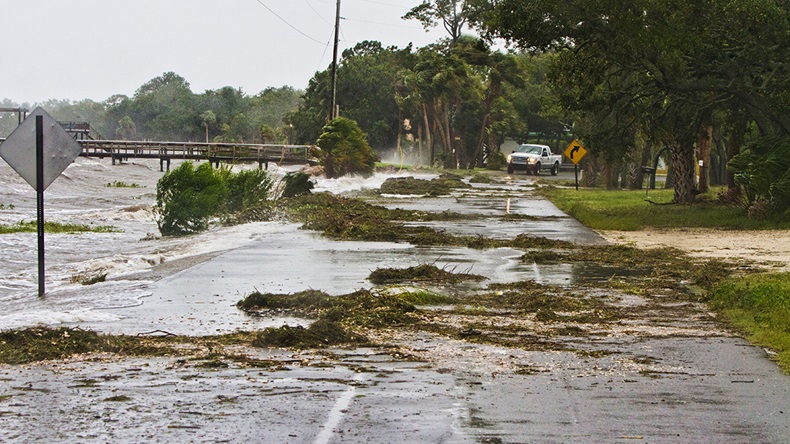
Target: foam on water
51, 317
347, 184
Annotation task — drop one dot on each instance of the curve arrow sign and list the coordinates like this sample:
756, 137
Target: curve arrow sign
575, 152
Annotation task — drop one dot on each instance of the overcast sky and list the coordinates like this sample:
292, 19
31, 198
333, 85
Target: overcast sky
92, 49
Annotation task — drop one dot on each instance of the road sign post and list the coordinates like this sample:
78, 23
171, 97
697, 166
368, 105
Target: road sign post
574, 153
40, 200
39, 149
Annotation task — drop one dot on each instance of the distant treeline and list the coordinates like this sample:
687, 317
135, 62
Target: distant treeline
165, 108
446, 103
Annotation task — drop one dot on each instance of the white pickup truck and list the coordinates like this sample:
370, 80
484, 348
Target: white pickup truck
533, 158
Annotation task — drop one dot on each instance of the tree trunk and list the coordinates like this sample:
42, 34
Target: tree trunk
481, 140
428, 138
329, 167
703, 142
682, 154
718, 166
442, 118
420, 131
734, 148
450, 146
400, 135
637, 174
607, 175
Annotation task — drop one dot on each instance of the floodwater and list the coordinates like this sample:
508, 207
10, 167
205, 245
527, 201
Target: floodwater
680, 379
190, 285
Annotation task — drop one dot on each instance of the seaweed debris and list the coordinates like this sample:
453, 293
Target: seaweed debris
439, 186
420, 273
339, 320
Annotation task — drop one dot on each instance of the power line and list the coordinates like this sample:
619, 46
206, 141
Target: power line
316, 13
286, 22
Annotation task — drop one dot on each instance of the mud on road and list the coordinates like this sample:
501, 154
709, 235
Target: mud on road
592, 343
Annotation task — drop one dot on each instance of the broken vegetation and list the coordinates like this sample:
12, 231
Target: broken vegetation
440, 186
420, 273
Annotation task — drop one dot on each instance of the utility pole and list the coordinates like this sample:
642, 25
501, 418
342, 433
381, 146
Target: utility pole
333, 111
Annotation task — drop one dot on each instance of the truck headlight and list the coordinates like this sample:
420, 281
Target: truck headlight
532, 160
509, 158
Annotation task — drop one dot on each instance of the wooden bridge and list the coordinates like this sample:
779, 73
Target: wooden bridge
121, 150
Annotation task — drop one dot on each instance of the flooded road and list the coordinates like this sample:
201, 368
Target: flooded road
666, 371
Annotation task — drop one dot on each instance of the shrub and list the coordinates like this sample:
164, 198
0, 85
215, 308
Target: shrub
496, 161
297, 183
247, 188
345, 150
187, 197
762, 173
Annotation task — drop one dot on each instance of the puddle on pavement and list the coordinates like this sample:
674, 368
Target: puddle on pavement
540, 217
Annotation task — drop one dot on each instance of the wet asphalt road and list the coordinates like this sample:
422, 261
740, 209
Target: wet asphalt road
686, 381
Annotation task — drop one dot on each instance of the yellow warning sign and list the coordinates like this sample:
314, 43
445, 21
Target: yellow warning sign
575, 152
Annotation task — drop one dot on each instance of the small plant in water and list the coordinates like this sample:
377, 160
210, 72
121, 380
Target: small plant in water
88, 279
121, 184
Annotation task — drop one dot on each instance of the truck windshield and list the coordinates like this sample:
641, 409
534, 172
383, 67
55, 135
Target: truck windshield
529, 149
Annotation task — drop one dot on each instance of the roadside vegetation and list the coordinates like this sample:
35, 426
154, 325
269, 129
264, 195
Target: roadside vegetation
344, 149
55, 227
758, 306
189, 196
630, 210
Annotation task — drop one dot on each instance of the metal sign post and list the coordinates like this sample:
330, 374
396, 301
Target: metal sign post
39, 150
40, 199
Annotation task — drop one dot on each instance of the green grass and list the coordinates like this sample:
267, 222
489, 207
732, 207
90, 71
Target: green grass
759, 306
628, 210
55, 227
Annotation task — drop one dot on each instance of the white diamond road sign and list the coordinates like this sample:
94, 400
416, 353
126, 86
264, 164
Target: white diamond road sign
19, 149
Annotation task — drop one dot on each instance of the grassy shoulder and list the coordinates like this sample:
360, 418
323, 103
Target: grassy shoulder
759, 307
630, 210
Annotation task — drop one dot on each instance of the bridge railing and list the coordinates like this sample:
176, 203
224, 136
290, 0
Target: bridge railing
195, 150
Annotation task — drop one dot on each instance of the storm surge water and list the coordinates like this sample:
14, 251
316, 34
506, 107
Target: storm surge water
126, 263
141, 282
